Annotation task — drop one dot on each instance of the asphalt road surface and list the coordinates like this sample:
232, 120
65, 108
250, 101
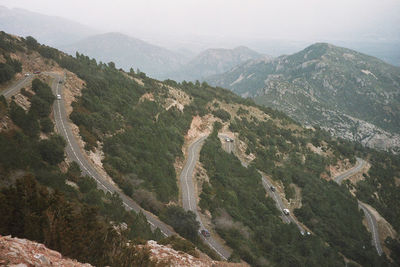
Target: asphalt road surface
189, 194
279, 204
229, 147
360, 164
371, 220
14, 89
74, 153
373, 226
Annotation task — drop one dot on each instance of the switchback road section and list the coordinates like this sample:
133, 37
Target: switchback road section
371, 220
74, 153
189, 199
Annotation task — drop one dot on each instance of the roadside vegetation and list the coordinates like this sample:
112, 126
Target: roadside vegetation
259, 236
380, 189
141, 140
8, 66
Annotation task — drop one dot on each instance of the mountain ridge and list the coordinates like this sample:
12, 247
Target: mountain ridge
214, 61
52, 30
324, 79
127, 52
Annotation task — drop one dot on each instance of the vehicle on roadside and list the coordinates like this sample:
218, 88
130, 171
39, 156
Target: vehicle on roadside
36, 72
272, 188
27, 74
58, 97
205, 233
286, 211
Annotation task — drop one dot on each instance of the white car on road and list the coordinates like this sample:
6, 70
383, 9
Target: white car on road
286, 211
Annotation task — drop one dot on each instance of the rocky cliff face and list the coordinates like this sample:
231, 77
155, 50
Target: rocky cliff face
350, 94
175, 258
24, 253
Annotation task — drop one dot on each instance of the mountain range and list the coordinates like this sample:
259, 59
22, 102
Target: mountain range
85, 143
213, 61
157, 61
350, 94
51, 30
128, 52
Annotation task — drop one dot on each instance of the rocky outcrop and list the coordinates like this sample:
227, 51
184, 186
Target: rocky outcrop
174, 258
25, 253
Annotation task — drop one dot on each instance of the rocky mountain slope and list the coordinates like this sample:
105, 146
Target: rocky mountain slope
51, 30
351, 95
213, 61
128, 52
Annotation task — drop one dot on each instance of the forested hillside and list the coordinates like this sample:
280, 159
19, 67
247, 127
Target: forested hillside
140, 125
45, 198
41, 205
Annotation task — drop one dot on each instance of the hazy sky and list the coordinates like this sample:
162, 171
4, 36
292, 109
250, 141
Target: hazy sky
288, 19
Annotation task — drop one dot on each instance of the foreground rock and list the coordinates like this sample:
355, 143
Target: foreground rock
25, 253
22, 252
176, 258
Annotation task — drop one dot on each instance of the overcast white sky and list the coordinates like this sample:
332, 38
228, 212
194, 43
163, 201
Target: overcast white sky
287, 19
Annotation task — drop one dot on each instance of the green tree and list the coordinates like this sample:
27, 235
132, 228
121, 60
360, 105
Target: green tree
46, 125
39, 107
184, 222
31, 43
52, 149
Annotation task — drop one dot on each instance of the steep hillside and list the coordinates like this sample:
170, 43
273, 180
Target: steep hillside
142, 137
350, 94
128, 52
54, 31
139, 128
213, 61
44, 196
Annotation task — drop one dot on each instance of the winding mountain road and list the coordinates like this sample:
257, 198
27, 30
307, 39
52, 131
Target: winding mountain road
279, 204
186, 178
75, 154
189, 200
267, 184
14, 88
360, 164
371, 220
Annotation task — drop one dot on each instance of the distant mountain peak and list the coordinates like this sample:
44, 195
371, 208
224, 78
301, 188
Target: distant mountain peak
128, 52
214, 61
50, 30
348, 93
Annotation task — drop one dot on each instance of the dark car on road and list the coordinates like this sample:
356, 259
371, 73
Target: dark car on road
205, 233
